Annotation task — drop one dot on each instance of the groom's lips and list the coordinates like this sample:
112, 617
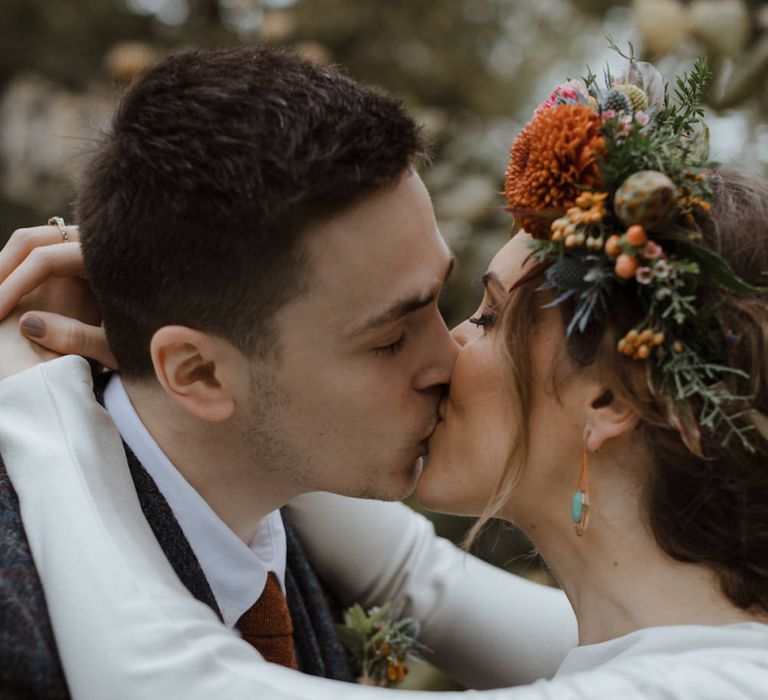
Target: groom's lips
424, 444
433, 426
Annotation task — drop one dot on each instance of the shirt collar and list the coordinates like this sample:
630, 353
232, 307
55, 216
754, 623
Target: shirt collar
236, 572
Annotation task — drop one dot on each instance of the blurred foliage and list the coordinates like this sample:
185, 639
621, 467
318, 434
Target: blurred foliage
732, 33
64, 41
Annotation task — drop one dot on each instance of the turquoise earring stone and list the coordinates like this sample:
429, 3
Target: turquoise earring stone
577, 507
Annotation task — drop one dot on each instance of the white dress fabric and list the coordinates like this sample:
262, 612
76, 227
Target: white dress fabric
127, 629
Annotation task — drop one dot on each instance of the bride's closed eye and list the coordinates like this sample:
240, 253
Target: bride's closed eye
489, 308
485, 320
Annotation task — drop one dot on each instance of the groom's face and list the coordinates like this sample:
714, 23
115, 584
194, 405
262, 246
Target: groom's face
364, 355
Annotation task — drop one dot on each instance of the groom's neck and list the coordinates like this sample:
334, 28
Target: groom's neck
212, 458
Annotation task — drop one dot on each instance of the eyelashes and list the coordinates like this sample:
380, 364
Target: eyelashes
393, 348
485, 320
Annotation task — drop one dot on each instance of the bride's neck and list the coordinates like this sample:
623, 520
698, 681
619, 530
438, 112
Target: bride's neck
619, 580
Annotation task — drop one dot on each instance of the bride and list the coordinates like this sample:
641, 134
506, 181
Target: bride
610, 399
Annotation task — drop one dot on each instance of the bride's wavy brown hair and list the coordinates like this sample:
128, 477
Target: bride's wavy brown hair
710, 511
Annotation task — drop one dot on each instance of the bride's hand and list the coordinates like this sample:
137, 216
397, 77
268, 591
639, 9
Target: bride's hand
43, 288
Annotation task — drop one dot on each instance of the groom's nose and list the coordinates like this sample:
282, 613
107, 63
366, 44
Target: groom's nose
443, 350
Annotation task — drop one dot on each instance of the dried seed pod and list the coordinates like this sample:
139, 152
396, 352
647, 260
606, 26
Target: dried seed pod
647, 198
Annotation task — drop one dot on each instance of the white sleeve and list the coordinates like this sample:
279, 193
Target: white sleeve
486, 628
125, 627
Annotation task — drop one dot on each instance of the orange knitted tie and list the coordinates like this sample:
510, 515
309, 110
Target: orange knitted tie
267, 625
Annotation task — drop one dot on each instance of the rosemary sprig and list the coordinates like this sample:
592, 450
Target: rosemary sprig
690, 379
685, 112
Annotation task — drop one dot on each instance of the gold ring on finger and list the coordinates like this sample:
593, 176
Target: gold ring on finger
58, 221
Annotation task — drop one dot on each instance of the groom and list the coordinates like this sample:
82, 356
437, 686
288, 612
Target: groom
268, 267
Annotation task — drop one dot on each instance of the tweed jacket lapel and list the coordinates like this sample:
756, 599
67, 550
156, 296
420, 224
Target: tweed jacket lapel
169, 534
313, 611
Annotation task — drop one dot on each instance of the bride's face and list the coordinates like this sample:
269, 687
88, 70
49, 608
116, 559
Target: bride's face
472, 443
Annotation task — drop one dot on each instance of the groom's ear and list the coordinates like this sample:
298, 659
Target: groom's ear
197, 370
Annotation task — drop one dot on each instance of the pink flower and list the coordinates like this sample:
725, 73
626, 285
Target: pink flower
580, 86
651, 251
662, 269
572, 92
547, 104
608, 114
644, 275
642, 118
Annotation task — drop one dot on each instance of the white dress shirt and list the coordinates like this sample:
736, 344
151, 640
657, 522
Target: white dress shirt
236, 572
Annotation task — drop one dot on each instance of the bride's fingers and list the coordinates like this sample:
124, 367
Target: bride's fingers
24, 240
42, 263
67, 336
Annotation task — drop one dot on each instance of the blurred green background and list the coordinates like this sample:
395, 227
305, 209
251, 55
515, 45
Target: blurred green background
472, 71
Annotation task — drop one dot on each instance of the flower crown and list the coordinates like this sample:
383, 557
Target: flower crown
609, 182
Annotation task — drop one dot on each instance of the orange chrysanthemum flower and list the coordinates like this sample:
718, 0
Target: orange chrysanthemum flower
553, 159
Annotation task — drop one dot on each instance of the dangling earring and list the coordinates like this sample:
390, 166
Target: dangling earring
580, 500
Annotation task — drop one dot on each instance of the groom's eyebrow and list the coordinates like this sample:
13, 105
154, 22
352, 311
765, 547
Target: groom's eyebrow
403, 307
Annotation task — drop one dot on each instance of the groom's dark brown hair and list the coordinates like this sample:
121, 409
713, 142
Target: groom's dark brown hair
192, 207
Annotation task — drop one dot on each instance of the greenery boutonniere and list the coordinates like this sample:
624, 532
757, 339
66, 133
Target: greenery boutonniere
380, 643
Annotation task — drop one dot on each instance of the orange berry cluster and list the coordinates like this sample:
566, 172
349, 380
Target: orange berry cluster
589, 209
396, 672
615, 247
639, 344
687, 202
396, 669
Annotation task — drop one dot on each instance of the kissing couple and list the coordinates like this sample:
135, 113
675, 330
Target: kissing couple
267, 266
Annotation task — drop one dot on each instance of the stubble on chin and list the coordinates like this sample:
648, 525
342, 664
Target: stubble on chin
396, 489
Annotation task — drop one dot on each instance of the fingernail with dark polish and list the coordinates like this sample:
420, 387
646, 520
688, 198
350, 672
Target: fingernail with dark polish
33, 326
